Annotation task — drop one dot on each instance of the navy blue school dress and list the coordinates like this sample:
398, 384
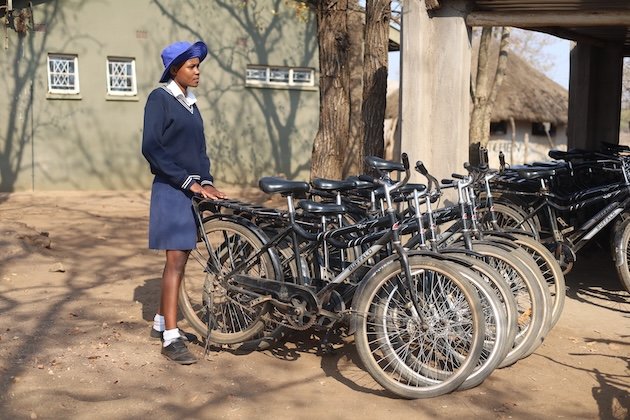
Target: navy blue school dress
174, 144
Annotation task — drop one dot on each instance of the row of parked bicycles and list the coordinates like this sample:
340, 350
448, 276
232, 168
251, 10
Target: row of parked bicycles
567, 202
437, 296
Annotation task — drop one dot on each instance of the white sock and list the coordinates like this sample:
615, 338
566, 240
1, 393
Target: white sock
170, 336
158, 323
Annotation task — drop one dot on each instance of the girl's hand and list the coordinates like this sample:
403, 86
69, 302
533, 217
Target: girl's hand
207, 191
212, 193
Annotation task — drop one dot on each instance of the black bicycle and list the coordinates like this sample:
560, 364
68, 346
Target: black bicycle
565, 223
417, 322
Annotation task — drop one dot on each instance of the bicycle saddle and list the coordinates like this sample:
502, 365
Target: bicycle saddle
333, 185
272, 184
384, 165
322, 209
540, 172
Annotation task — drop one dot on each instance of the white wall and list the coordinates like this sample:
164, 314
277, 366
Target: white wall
536, 150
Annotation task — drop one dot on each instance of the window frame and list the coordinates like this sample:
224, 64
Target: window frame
76, 88
288, 82
538, 129
131, 61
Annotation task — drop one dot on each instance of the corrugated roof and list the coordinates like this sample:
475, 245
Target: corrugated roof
597, 34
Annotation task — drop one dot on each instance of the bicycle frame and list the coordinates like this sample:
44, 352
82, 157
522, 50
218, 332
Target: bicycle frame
314, 241
579, 236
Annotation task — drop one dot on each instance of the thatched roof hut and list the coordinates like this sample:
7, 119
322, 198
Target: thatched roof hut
526, 94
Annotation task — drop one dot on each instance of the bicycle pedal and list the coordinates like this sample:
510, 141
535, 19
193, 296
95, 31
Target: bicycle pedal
567, 230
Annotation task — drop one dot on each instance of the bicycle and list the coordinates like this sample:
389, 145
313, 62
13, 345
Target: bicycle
417, 323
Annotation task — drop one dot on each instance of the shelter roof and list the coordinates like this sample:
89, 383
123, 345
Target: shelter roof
593, 21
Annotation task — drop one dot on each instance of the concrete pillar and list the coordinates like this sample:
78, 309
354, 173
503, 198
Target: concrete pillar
434, 86
595, 86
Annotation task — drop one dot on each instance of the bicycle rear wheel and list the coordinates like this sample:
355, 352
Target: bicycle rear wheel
511, 217
212, 307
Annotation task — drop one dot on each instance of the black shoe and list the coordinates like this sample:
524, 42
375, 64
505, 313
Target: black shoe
186, 336
179, 353
156, 334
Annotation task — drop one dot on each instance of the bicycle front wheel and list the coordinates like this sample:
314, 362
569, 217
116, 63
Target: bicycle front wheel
622, 254
425, 349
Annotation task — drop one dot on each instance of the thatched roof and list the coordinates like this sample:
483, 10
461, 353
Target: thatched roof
526, 95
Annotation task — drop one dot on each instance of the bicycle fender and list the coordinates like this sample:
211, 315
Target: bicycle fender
262, 236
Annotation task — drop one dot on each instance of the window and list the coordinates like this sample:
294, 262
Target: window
272, 76
498, 128
63, 74
121, 76
542, 128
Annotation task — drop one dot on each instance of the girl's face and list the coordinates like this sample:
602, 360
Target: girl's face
187, 75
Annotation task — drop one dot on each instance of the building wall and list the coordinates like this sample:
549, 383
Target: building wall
93, 141
536, 150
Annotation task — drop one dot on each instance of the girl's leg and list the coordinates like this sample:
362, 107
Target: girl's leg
173, 347
171, 279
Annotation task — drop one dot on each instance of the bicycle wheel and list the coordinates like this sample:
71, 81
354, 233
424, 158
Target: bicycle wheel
550, 270
510, 217
528, 295
214, 309
500, 315
425, 354
534, 273
622, 254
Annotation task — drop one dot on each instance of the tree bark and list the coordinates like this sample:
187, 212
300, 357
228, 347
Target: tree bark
480, 97
483, 97
496, 85
334, 88
378, 14
353, 160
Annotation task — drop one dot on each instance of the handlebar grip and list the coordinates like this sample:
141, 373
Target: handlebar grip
421, 168
483, 155
447, 182
458, 176
405, 161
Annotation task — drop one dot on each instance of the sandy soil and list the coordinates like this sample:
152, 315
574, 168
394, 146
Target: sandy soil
78, 290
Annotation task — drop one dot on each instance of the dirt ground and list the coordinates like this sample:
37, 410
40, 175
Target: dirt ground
78, 291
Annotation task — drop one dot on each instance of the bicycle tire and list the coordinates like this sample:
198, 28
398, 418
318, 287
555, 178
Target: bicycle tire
551, 271
528, 294
381, 309
508, 217
232, 320
622, 254
500, 315
536, 276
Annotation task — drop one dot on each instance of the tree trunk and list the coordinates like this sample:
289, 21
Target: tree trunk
334, 88
378, 14
353, 151
498, 80
480, 95
483, 98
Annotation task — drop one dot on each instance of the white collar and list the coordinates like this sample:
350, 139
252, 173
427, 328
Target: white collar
176, 91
